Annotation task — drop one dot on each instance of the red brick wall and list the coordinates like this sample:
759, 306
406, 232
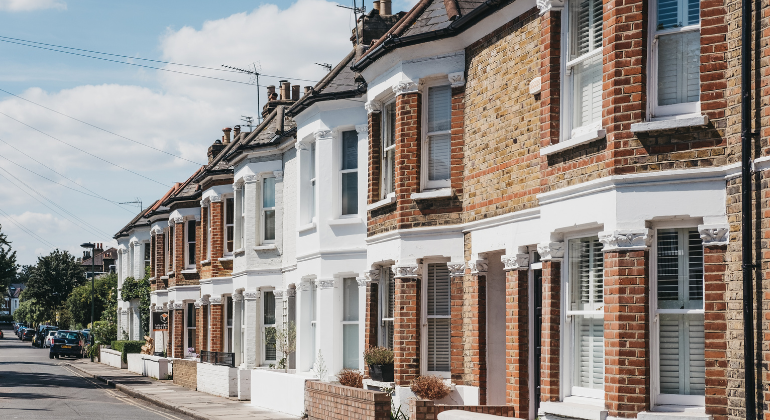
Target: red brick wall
178, 333
216, 268
217, 328
186, 373
160, 260
375, 156
549, 367
457, 352
371, 326
475, 333
428, 410
406, 337
626, 336
202, 330
715, 307
325, 401
517, 342
178, 265
550, 63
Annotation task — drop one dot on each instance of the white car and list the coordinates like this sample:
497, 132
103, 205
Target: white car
49, 338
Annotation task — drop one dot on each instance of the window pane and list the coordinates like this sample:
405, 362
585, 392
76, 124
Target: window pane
191, 315
350, 312
438, 290
587, 92
268, 193
269, 225
350, 346
585, 27
586, 271
439, 108
389, 139
438, 344
680, 269
229, 317
270, 353
229, 211
589, 348
349, 150
350, 193
439, 157
269, 308
677, 13
191, 338
679, 68
230, 232
682, 354
312, 160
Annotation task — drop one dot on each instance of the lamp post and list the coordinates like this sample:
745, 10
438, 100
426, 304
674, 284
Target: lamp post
89, 245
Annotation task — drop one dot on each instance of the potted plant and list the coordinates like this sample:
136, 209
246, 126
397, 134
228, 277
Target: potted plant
380, 362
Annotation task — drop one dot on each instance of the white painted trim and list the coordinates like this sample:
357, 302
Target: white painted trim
330, 252
189, 271
575, 141
306, 227
267, 247
407, 233
390, 199
669, 124
345, 221
428, 194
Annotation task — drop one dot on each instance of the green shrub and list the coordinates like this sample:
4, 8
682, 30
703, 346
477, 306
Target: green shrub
378, 356
127, 346
6, 318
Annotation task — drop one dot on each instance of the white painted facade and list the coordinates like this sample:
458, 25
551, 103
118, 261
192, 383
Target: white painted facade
132, 252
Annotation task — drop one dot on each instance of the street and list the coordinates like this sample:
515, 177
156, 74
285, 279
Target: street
32, 385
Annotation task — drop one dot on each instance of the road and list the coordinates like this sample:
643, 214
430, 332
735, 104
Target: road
32, 386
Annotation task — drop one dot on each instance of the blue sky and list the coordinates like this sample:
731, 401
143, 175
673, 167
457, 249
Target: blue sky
179, 114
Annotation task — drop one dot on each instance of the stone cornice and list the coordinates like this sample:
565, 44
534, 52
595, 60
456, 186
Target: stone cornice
479, 266
278, 294
406, 271
456, 269
323, 135
250, 179
373, 106
373, 275
362, 282
278, 175
215, 300
550, 5
515, 262
714, 234
626, 240
178, 306
457, 79
250, 295
324, 283
551, 251
238, 297
215, 198
362, 129
403, 88
198, 303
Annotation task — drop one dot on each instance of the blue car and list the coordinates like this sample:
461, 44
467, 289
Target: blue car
67, 343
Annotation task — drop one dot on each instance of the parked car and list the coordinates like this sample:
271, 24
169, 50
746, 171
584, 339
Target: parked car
67, 343
1, 333
28, 334
49, 338
20, 333
42, 333
16, 326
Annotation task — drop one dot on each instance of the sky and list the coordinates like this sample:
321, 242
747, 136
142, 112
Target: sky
79, 135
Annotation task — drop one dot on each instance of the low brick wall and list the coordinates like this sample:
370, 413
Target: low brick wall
324, 401
428, 410
186, 373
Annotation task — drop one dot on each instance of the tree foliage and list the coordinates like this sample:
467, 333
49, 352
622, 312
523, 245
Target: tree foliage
53, 279
79, 301
138, 289
31, 313
7, 263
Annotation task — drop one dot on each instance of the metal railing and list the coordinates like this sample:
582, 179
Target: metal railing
218, 358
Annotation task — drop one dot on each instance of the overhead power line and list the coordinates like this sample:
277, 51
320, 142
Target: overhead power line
99, 128
86, 152
26, 229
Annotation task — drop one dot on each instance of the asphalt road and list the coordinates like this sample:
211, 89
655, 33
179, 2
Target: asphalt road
32, 386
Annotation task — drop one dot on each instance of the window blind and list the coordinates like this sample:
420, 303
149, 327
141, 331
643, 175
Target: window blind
682, 354
438, 157
350, 291
349, 150
679, 68
586, 27
439, 108
587, 271
268, 192
587, 91
438, 310
590, 360
680, 269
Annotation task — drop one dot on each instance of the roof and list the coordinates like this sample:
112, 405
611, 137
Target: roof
340, 83
125, 229
269, 132
107, 254
187, 190
430, 20
15, 289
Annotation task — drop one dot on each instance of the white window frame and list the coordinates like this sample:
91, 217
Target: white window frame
358, 316
568, 132
341, 155
130, 258
424, 151
313, 153
208, 232
228, 339
188, 243
225, 225
424, 318
570, 393
656, 398
313, 319
147, 258
169, 250
664, 112
265, 326
187, 328
385, 176
383, 300
240, 217
262, 210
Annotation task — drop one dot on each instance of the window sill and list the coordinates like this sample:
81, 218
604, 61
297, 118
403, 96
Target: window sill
206, 262
305, 228
189, 271
346, 221
697, 121
169, 273
239, 251
227, 258
578, 411
682, 413
382, 203
164, 277
266, 247
584, 138
427, 195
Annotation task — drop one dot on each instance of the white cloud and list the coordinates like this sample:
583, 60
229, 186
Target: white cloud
30, 5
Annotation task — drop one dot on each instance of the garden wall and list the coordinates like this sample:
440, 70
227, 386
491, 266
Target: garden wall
324, 401
186, 373
429, 410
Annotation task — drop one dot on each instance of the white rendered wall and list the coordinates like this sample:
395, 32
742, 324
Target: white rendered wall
217, 380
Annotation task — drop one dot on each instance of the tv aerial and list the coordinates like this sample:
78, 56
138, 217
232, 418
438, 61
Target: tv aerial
254, 72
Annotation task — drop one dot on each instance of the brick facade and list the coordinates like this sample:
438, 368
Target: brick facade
217, 327
202, 330
186, 373
715, 306
406, 335
160, 261
371, 328
517, 342
550, 338
428, 410
178, 334
214, 267
325, 401
474, 316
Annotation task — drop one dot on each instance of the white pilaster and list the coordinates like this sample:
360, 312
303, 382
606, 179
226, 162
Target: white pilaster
250, 300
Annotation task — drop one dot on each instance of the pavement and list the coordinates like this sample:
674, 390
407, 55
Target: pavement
31, 385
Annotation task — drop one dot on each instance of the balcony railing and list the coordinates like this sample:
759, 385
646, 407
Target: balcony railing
218, 358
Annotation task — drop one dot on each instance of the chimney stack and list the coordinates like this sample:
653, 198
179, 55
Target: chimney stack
226, 137
295, 93
376, 5
236, 132
271, 93
285, 87
385, 8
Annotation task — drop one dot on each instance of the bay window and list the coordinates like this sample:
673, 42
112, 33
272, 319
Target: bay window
349, 173
679, 316
437, 138
229, 324
268, 326
350, 323
437, 315
190, 349
147, 252
388, 167
190, 234
242, 216
583, 69
229, 225
387, 303
586, 314
675, 66
268, 210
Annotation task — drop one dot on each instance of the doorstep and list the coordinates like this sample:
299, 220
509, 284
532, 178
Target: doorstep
174, 397
569, 410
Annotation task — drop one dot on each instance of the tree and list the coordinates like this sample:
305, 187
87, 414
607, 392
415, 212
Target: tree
31, 313
79, 301
138, 289
7, 263
53, 279
23, 274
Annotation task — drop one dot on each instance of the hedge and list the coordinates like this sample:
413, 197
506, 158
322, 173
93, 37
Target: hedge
6, 318
127, 346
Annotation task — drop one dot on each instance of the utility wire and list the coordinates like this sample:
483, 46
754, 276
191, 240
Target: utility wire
88, 153
90, 231
99, 128
62, 175
27, 230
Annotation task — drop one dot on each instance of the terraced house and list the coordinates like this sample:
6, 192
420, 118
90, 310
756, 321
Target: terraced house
539, 202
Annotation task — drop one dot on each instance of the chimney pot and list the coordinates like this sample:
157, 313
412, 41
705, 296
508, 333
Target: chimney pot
285, 87
226, 137
295, 93
236, 131
385, 8
270, 92
376, 5
308, 89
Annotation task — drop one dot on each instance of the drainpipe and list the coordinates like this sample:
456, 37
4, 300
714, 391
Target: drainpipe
747, 265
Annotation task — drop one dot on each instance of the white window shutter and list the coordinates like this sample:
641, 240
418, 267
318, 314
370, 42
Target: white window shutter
439, 311
590, 363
